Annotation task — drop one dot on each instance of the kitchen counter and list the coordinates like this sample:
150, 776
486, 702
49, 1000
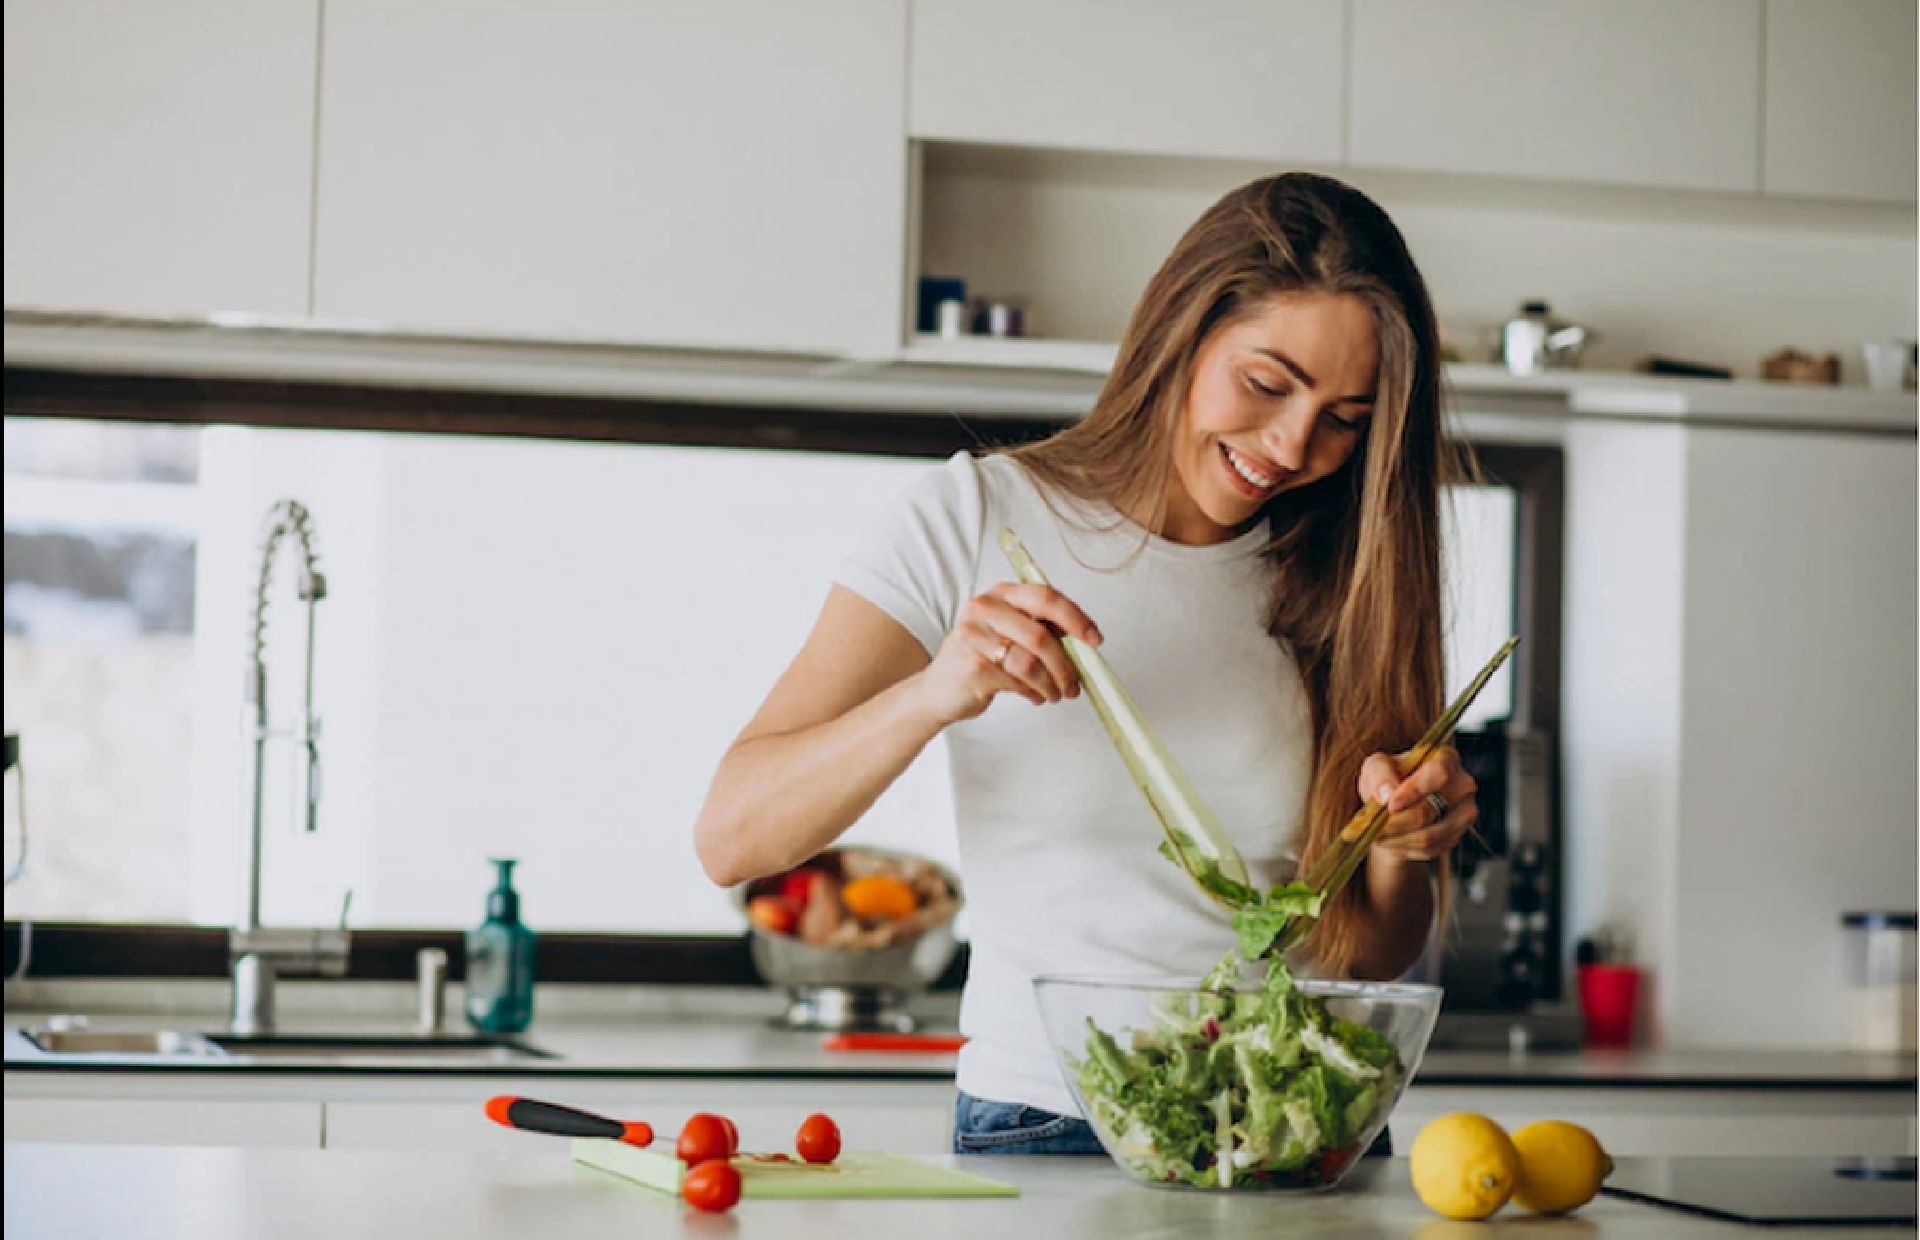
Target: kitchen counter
741, 1046
231, 1194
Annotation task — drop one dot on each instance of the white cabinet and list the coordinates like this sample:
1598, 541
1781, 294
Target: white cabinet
159, 157
1644, 92
1797, 726
1254, 79
182, 1120
1840, 99
719, 174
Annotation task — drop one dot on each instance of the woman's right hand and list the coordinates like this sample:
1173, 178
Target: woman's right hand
1007, 641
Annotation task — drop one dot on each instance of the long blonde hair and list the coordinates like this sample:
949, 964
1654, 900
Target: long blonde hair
1356, 555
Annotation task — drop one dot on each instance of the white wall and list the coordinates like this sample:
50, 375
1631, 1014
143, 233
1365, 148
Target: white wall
1717, 278
530, 649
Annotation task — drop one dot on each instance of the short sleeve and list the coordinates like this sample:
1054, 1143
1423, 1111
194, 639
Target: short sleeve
917, 561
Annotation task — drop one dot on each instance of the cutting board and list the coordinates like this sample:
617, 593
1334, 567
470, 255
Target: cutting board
855, 1174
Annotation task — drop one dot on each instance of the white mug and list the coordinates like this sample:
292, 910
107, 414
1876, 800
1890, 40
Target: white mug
1889, 364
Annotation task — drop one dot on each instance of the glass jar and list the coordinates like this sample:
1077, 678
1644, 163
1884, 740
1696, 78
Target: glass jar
1880, 981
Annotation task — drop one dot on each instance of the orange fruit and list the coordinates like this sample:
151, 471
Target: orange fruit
879, 897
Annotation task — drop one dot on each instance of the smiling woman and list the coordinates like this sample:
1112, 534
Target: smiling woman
1248, 522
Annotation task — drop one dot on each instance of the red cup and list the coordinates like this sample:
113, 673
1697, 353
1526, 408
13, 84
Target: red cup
1609, 995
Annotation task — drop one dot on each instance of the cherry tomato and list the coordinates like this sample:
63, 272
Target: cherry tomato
703, 1140
733, 1135
713, 1186
819, 1139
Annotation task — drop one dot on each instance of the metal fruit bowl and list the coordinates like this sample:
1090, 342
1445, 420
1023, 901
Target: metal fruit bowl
853, 989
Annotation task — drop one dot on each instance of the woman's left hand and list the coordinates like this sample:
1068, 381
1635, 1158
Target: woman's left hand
1416, 830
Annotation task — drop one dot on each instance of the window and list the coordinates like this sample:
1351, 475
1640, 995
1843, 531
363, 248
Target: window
532, 648
101, 546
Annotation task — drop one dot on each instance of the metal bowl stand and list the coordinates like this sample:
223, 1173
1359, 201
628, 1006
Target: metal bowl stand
846, 1009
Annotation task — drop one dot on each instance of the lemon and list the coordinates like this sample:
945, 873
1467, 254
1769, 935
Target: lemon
1464, 1166
1561, 1166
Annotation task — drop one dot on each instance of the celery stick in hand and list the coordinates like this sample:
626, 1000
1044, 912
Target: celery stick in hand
1198, 844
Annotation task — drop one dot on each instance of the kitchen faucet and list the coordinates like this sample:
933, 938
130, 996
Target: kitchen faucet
258, 954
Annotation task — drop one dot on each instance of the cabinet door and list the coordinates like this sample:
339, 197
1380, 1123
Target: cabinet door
1256, 79
159, 157
727, 173
1643, 92
165, 1121
1798, 643
1840, 94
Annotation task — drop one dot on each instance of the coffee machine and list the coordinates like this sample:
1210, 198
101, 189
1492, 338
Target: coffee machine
1499, 958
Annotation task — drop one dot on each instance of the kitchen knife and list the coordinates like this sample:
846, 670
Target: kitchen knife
551, 1118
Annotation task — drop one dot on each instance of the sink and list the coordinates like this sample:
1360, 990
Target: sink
174, 1044
167, 1042
461, 1047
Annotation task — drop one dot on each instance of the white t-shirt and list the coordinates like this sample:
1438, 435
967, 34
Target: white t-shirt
1058, 849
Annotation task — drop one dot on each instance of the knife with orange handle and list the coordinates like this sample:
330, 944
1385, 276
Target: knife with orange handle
530, 1115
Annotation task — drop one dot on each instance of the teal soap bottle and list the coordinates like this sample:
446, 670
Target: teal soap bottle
500, 962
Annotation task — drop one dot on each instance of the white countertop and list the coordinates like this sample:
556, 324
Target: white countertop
737, 1043
231, 1194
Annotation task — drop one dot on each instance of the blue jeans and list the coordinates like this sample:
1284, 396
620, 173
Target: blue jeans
982, 1127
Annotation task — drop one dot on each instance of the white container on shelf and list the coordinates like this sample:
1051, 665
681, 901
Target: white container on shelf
1880, 980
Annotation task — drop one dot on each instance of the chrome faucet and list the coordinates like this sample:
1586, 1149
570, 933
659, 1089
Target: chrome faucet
259, 954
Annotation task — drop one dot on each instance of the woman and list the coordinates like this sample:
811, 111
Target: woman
1250, 513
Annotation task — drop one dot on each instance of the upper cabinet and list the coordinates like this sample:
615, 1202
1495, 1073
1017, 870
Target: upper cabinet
1251, 79
1641, 92
159, 157
727, 174
1840, 99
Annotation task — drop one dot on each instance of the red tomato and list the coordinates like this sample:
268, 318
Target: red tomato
797, 886
703, 1140
819, 1139
733, 1135
713, 1186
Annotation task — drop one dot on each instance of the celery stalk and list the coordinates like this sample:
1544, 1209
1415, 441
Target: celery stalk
1194, 835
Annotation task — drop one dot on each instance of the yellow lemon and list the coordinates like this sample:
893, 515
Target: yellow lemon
1561, 1166
1464, 1167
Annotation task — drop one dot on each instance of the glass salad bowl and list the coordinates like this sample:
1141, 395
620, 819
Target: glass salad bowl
1250, 1085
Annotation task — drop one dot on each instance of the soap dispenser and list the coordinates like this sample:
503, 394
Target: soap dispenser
500, 962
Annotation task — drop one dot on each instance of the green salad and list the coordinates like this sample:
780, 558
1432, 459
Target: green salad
1239, 1090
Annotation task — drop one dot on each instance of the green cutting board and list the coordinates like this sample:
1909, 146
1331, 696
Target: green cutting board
853, 1175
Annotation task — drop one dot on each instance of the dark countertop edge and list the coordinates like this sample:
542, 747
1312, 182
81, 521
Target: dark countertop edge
1461, 1080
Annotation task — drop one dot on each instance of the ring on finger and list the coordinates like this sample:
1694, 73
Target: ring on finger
1000, 656
1438, 804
